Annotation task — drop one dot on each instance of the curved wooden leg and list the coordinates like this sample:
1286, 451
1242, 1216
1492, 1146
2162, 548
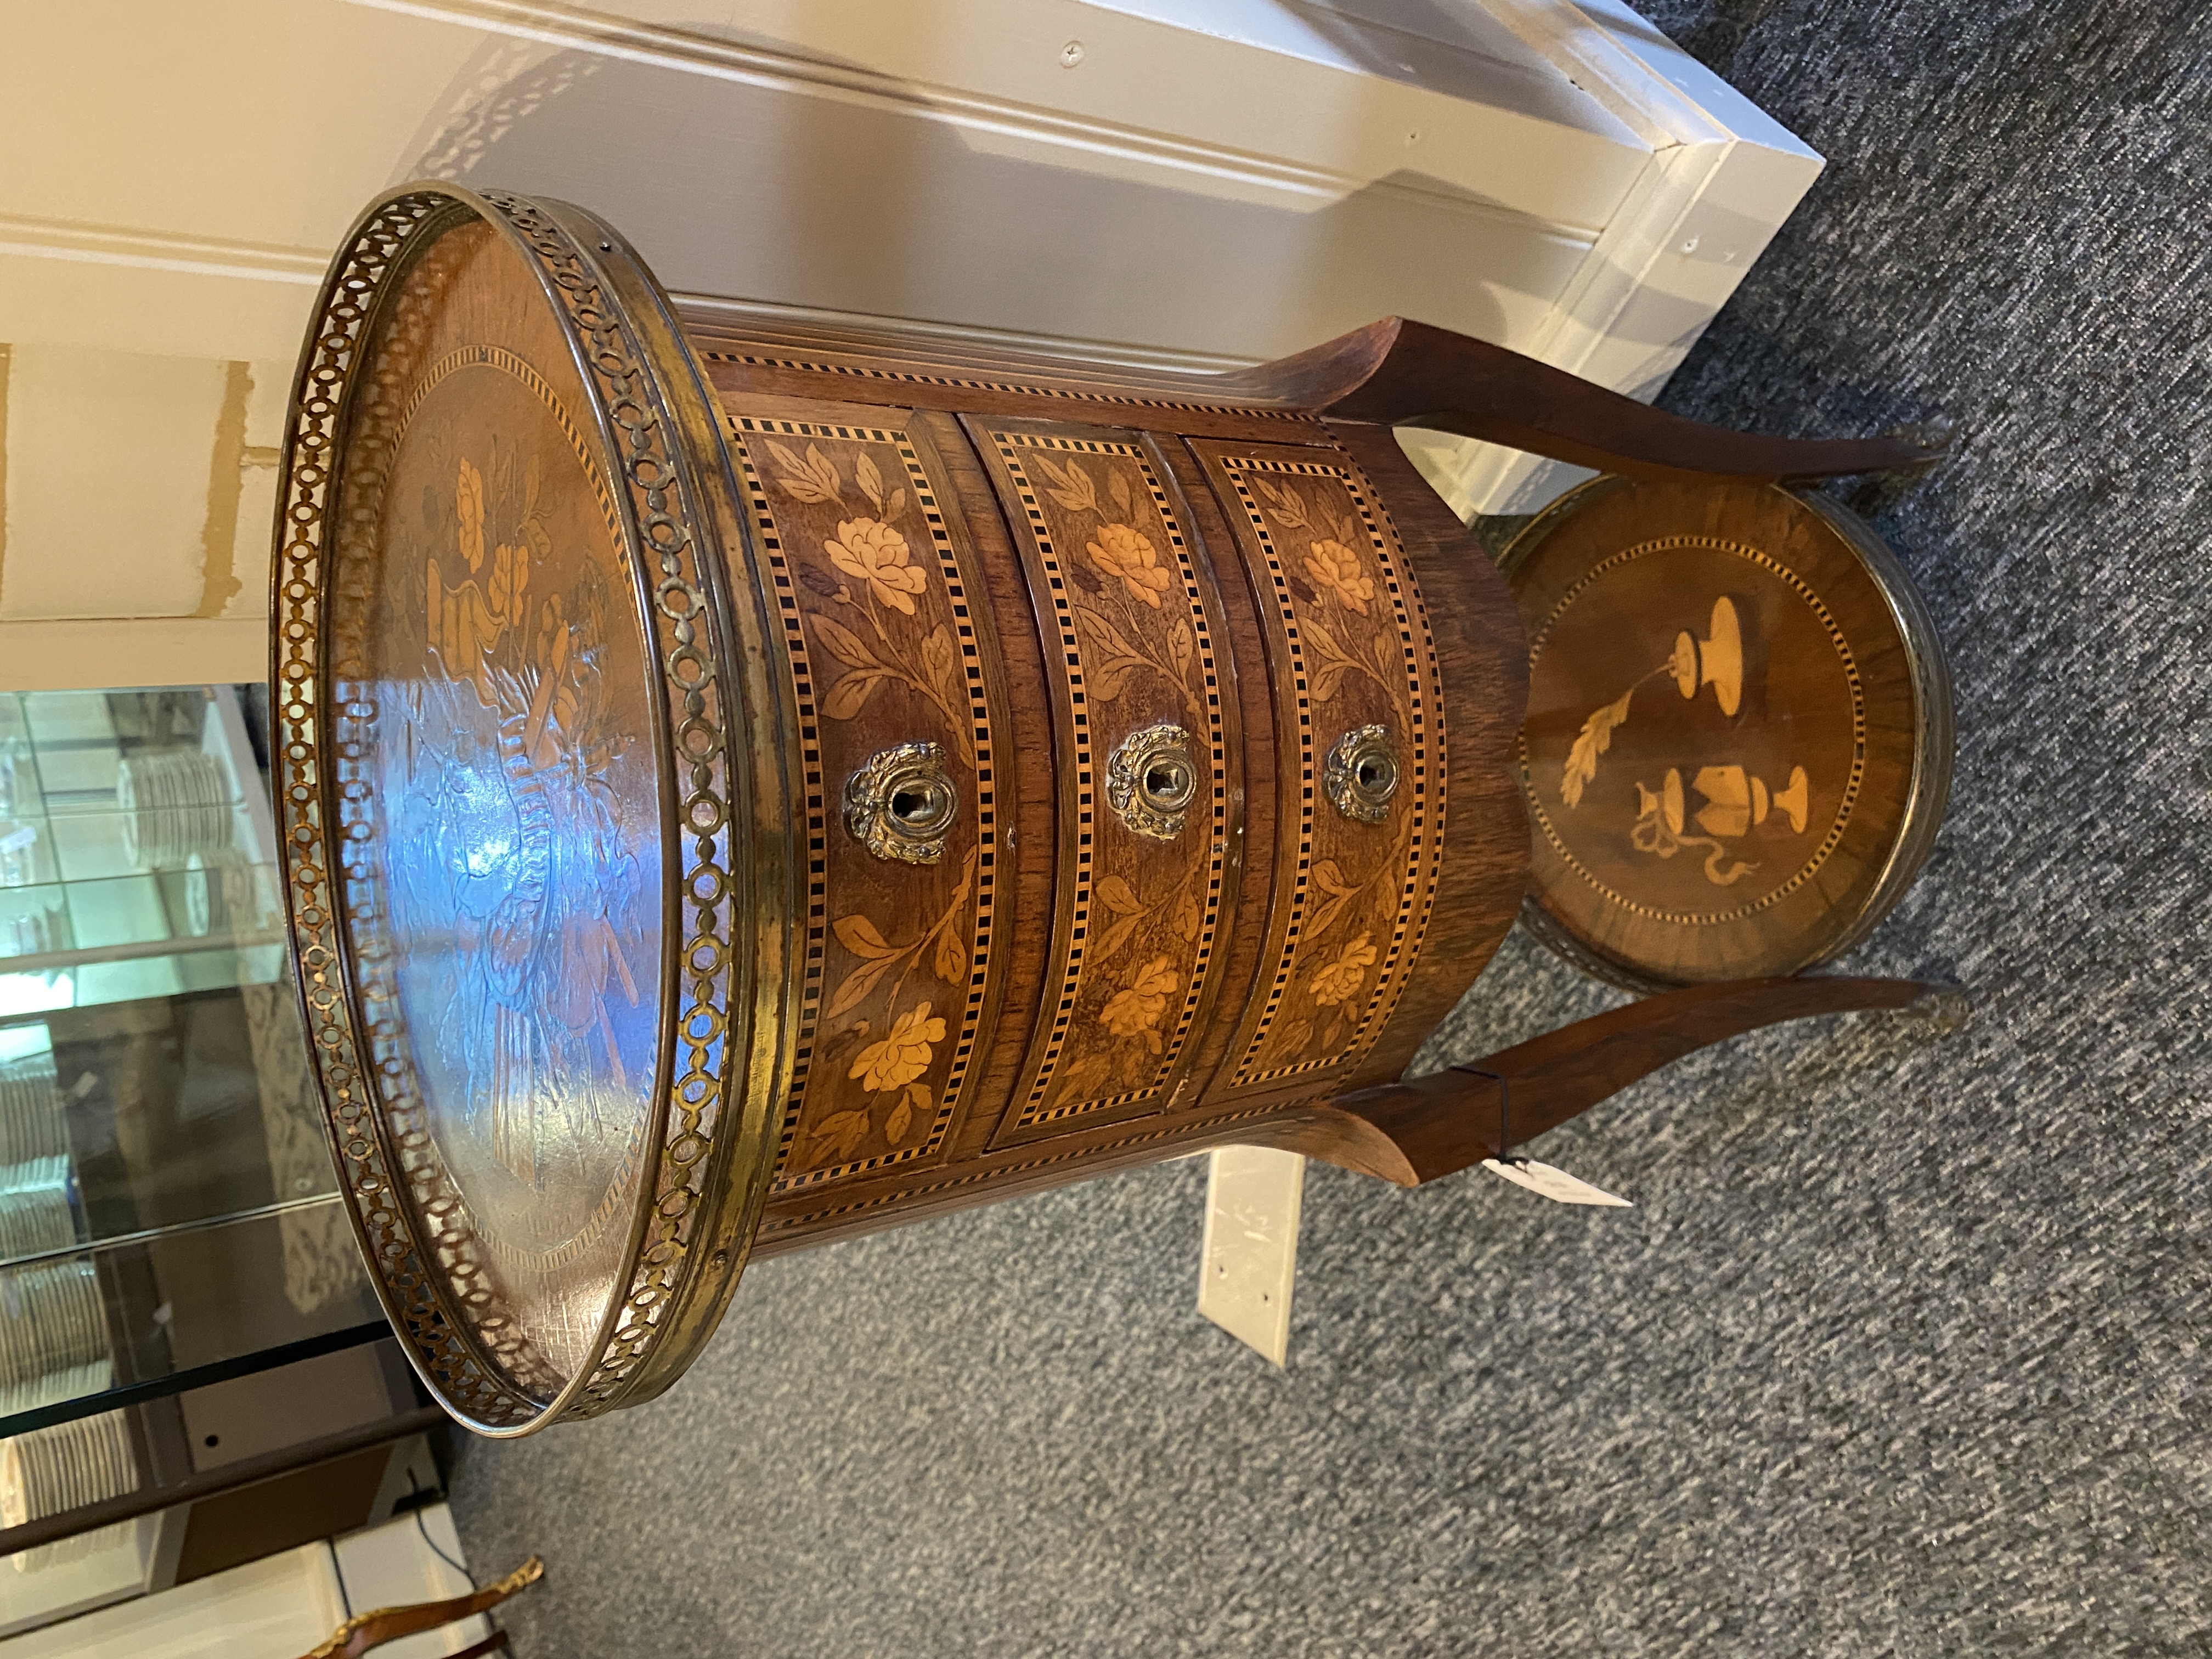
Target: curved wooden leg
1410, 1132
1397, 373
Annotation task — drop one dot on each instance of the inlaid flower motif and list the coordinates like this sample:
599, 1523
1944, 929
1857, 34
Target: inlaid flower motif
1120, 553
1336, 567
871, 551
1135, 1010
1342, 978
468, 621
903, 1055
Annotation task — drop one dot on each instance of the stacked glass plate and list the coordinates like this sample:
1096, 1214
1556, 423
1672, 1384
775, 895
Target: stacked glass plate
53, 1334
34, 1207
175, 802
65, 1468
30, 1111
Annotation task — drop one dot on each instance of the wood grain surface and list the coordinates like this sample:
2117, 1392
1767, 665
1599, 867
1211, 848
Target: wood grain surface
1209, 554
1726, 723
1435, 1125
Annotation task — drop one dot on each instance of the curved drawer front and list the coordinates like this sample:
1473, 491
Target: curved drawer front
1138, 667
874, 579
1354, 673
1150, 674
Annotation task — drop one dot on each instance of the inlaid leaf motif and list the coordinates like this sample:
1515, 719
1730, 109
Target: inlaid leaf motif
1295, 1036
915, 1098
469, 500
1107, 677
1082, 1077
1390, 656
1106, 682
1075, 492
1595, 737
851, 694
818, 583
1114, 938
842, 643
871, 480
1118, 486
1182, 645
896, 507
951, 959
1187, 918
1335, 661
1115, 894
859, 935
940, 656
842, 1132
813, 479
852, 990
1329, 878
1290, 507
1348, 530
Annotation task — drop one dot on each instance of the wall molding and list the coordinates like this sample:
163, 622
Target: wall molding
154, 250
1722, 177
657, 46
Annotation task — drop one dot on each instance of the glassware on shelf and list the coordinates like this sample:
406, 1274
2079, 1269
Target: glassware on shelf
18, 854
31, 1125
35, 1216
63, 1468
53, 1334
33, 933
175, 803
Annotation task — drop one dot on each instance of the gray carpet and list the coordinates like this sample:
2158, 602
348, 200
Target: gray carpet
1901, 1351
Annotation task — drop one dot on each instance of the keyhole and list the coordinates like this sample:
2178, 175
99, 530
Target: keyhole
920, 806
1374, 775
1168, 784
1363, 773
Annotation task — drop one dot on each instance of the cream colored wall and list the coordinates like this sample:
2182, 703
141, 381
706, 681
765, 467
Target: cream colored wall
162, 522
1227, 180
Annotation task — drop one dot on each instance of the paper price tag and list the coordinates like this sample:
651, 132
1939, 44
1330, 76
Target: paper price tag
1555, 1184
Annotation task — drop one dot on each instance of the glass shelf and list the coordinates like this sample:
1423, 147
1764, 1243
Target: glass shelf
169, 1217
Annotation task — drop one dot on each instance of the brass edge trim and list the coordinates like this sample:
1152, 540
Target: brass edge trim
444, 1349
1935, 729
743, 1164
322, 386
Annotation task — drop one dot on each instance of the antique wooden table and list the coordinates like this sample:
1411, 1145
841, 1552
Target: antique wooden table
740, 789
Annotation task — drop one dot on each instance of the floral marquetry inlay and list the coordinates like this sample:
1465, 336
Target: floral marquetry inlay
1132, 642
1353, 890
883, 650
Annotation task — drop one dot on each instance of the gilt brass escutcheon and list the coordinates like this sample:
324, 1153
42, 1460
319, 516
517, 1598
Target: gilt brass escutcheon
1150, 783
900, 804
1361, 773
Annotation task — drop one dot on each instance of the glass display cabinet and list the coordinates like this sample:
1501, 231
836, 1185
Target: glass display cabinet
169, 1224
